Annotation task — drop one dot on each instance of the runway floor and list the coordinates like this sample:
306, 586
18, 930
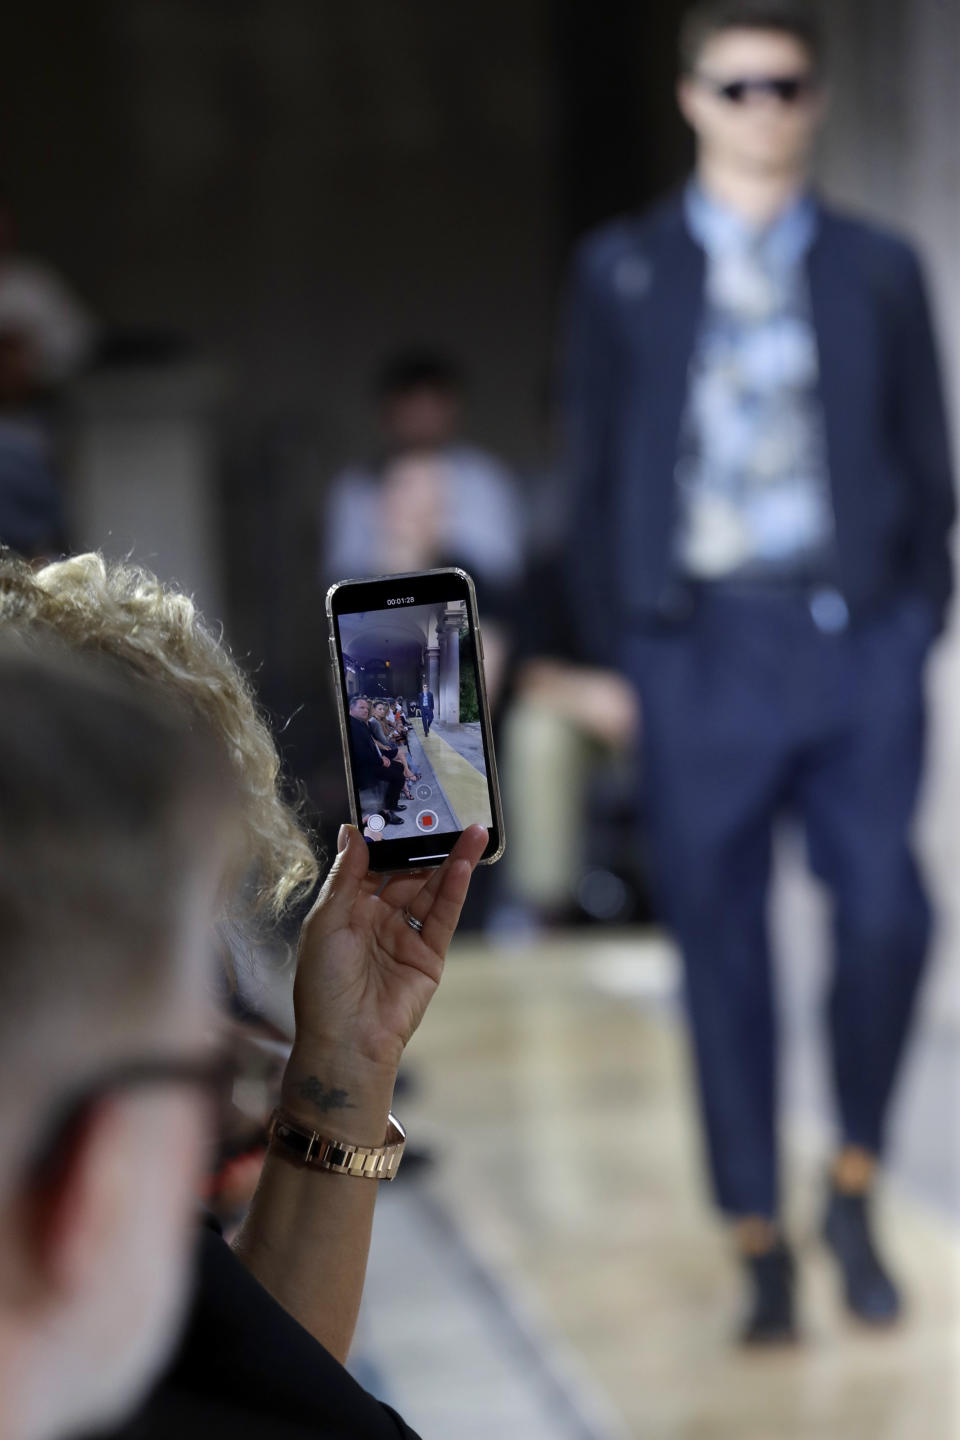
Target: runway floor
451, 792
557, 1273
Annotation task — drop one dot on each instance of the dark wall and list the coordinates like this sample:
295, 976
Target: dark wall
621, 141
300, 185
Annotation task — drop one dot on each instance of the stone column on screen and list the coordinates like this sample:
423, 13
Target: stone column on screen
450, 671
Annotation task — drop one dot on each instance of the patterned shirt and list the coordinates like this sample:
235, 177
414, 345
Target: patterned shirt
754, 487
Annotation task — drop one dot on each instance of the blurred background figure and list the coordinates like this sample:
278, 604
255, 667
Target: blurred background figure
47, 337
765, 496
430, 498
31, 506
56, 335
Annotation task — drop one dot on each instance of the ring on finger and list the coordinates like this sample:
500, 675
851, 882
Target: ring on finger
412, 921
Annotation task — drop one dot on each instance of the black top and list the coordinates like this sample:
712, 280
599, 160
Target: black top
246, 1370
31, 511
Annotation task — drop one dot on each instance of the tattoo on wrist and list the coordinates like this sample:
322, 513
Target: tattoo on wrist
324, 1097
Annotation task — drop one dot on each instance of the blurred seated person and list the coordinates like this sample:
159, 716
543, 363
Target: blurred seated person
562, 716
427, 498
31, 511
372, 770
114, 837
58, 335
31, 507
273, 1316
46, 338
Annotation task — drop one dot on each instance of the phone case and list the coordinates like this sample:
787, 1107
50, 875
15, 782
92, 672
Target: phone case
492, 773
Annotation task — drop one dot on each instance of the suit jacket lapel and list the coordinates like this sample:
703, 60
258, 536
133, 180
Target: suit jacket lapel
667, 326
675, 309
844, 326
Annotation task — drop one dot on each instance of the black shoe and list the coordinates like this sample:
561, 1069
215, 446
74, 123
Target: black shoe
393, 819
869, 1291
398, 809
772, 1280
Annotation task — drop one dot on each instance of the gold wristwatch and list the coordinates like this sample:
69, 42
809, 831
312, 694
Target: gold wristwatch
366, 1162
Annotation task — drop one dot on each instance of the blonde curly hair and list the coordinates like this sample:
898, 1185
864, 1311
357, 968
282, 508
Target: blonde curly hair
124, 612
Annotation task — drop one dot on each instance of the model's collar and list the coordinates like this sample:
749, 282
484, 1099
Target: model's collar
721, 231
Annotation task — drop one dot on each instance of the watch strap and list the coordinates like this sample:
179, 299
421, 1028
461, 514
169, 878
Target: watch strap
340, 1157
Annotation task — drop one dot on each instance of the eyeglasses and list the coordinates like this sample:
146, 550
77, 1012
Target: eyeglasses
213, 1075
788, 89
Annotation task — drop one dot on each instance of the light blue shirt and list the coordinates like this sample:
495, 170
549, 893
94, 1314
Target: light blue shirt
783, 244
754, 488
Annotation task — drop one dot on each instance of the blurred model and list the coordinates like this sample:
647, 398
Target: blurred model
764, 497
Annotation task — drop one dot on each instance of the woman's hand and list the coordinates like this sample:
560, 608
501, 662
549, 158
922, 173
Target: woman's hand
365, 977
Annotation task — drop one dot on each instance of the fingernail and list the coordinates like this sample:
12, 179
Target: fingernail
342, 837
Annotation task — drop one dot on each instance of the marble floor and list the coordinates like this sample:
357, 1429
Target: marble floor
428, 810
455, 754
556, 1273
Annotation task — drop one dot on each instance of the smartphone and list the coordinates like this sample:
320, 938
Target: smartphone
408, 663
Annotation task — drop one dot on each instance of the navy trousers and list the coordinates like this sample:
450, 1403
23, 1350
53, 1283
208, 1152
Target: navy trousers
749, 710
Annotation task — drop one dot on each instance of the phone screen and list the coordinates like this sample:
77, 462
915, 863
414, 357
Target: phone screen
415, 721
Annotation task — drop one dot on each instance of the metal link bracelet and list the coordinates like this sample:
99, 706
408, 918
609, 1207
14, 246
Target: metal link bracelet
340, 1157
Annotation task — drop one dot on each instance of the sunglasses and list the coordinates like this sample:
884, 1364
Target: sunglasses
212, 1075
788, 89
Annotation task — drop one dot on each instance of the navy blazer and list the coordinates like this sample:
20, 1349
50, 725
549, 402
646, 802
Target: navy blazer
634, 314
